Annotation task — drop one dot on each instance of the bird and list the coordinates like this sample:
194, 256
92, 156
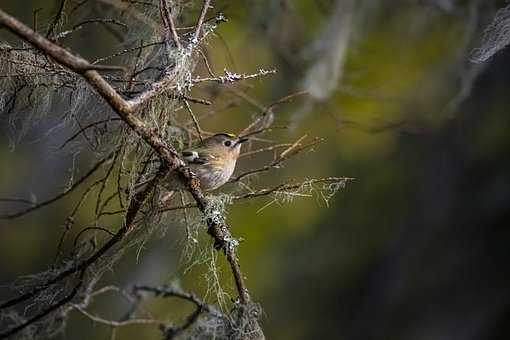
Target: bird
213, 161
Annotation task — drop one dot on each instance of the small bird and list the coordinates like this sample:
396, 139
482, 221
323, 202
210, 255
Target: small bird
213, 161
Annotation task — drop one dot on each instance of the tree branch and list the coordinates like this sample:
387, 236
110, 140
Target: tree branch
168, 22
170, 158
200, 22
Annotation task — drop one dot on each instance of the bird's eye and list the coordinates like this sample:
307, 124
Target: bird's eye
227, 143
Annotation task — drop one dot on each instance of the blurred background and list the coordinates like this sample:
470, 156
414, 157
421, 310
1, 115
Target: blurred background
417, 247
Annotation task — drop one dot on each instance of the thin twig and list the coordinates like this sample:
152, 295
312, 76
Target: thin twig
269, 148
51, 29
197, 100
105, 181
281, 188
206, 63
133, 209
194, 119
291, 186
200, 22
172, 291
294, 149
286, 99
231, 77
86, 127
168, 22
59, 196
88, 229
44, 313
102, 21
16, 200
114, 323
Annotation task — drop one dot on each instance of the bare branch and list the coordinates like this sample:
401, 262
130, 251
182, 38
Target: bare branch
59, 196
16, 200
231, 77
172, 291
207, 65
86, 127
46, 312
194, 119
200, 22
291, 151
168, 22
268, 148
133, 209
51, 29
281, 188
114, 323
196, 100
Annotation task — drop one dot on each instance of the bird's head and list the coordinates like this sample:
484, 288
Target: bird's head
225, 145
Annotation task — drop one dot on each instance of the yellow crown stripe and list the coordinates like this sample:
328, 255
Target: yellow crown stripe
229, 135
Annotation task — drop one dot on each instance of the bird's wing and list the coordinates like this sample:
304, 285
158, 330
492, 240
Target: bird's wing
195, 157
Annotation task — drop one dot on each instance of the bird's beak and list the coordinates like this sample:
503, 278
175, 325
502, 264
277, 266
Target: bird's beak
240, 141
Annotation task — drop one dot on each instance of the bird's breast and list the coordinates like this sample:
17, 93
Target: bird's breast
213, 175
